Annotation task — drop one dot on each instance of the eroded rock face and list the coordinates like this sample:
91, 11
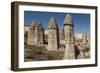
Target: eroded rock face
68, 19
61, 35
36, 34
69, 38
85, 38
53, 37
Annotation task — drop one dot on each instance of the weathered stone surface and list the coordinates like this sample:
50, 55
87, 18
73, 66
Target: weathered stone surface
61, 35
88, 37
81, 52
68, 19
52, 24
53, 37
85, 38
36, 34
69, 38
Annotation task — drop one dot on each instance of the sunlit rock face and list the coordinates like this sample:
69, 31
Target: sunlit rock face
53, 37
69, 38
36, 34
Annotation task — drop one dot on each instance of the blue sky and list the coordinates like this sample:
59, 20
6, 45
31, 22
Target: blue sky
81, 21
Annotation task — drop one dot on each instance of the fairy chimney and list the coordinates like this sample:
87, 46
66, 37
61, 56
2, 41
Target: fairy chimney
36, 34
53, 36
69, 38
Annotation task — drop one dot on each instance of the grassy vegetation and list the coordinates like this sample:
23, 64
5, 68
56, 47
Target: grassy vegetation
87, 48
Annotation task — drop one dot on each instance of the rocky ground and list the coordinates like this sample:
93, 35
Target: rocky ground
39, 53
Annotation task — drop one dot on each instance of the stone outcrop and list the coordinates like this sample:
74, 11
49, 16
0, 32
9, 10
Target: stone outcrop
53, 37
61, 36
85, 38
81, 52
36, 34
69, 38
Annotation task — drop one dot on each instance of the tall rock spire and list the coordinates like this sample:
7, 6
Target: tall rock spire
69, 38
36, 34
52, 23
68, 19
39, 34
53, 36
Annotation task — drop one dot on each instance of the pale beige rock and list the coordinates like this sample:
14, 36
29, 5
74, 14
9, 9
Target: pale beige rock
82, 53
68, 19
36, 34
69, 38
61, 35
53, 37
84, 38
